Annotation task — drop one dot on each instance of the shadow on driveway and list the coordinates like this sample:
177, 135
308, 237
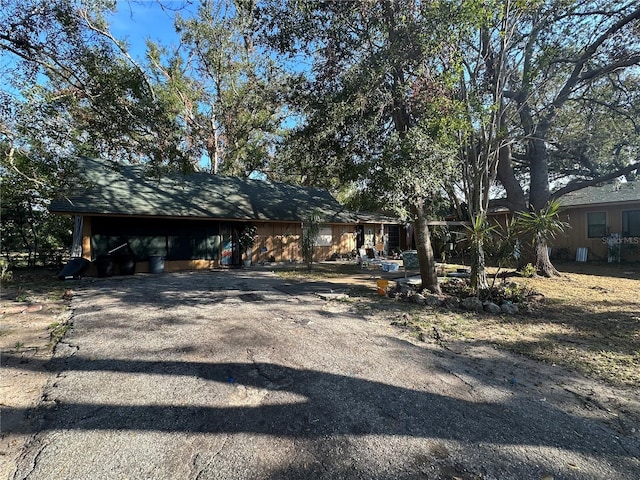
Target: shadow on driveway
333, 404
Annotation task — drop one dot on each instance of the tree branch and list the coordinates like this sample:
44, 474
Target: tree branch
588, 54
107, 34
580, 185
598, 72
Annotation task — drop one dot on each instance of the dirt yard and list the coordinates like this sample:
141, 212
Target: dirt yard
34, 313
587, 319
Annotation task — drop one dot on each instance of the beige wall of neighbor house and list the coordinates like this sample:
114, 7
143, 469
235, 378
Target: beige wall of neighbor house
590, 228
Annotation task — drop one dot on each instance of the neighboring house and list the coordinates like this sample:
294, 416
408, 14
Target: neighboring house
604, 223
193, 221
604, 219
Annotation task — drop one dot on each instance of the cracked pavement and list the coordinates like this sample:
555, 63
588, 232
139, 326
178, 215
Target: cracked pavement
243, 375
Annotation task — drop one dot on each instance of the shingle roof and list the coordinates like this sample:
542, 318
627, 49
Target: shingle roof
378, 217
608, 193
114, 189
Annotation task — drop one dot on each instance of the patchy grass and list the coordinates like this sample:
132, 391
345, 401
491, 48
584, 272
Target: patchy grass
588, 320
57, 330
318, 271
591, 322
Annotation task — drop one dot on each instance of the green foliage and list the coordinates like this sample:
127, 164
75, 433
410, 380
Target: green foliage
609, 114
372, 114
480, 231
377, 108
529, 270
22, 297
236, 114
518, 293
501, 247
542, 225
247, 237
27, 229
413, 169
498, 293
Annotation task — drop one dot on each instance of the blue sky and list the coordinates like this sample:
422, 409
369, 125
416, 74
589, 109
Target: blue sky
136, 21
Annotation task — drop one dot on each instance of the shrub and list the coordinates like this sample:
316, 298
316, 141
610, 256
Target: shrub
247, 237
528, 270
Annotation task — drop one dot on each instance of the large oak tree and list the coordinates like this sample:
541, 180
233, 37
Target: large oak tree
562, 59
374, 99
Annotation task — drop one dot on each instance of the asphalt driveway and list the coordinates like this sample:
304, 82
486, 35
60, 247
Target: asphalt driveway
242, 375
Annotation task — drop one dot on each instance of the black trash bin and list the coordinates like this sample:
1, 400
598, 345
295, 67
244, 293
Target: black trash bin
104, 264
156, 264
127, 264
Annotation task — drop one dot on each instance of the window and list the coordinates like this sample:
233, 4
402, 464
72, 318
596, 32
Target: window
325, 237
631, 223
394, 237
596, 225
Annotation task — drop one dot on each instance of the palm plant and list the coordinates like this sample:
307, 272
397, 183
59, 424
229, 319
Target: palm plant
542, 226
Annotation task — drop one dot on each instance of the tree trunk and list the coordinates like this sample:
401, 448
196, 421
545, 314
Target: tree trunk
428, 273
539, 192
540, 195
478, 268
506, 175
544, 266
537, 157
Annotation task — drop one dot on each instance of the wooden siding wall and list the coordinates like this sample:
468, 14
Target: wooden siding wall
283, 242
343, 242
277, 240
86, 238
576, 237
